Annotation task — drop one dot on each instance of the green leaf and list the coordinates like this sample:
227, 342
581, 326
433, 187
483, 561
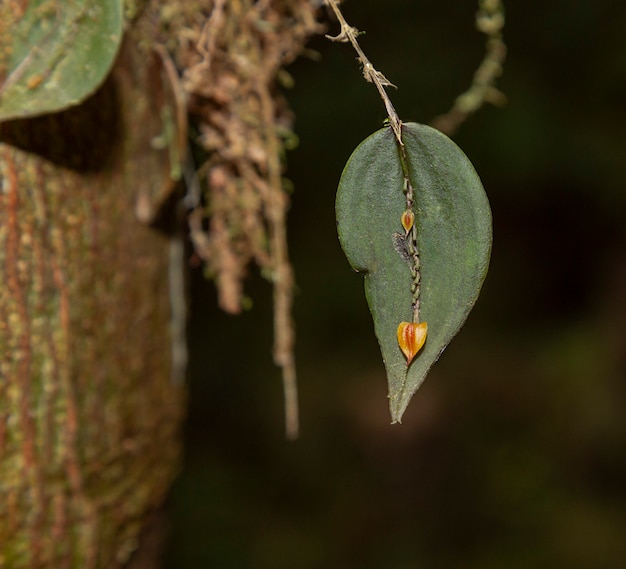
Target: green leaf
453, 221
55, 53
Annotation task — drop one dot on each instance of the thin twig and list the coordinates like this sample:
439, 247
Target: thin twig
349, 34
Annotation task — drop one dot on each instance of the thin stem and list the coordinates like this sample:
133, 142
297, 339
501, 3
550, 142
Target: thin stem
349, 34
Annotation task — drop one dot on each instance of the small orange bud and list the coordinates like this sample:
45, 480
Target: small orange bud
34, 81
411, 338
407, 219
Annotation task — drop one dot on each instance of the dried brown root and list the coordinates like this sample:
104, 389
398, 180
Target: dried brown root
232, 56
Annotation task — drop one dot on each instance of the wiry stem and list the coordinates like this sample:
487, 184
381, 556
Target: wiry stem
409, 340
349, 34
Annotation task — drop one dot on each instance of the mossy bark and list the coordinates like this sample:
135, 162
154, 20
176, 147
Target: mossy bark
89, 416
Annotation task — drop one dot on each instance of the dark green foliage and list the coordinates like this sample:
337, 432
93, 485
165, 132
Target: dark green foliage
56, 54
454, 240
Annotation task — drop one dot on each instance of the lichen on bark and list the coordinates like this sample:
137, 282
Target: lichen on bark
89, 418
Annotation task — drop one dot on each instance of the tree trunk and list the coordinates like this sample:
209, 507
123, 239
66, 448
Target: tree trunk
89, 415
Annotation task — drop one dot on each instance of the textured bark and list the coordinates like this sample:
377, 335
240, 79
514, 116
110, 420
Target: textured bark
89, 416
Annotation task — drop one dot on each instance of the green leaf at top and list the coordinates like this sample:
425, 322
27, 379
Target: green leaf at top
453, 220
55, 53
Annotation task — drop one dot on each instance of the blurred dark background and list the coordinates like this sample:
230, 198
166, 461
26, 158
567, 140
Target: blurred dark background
513, 452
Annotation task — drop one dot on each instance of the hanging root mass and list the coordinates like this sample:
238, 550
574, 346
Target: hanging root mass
234, 55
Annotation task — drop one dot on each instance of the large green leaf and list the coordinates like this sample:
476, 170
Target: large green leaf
54, 53
453, 220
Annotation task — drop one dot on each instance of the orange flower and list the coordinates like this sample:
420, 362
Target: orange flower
411, 338
407, 219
